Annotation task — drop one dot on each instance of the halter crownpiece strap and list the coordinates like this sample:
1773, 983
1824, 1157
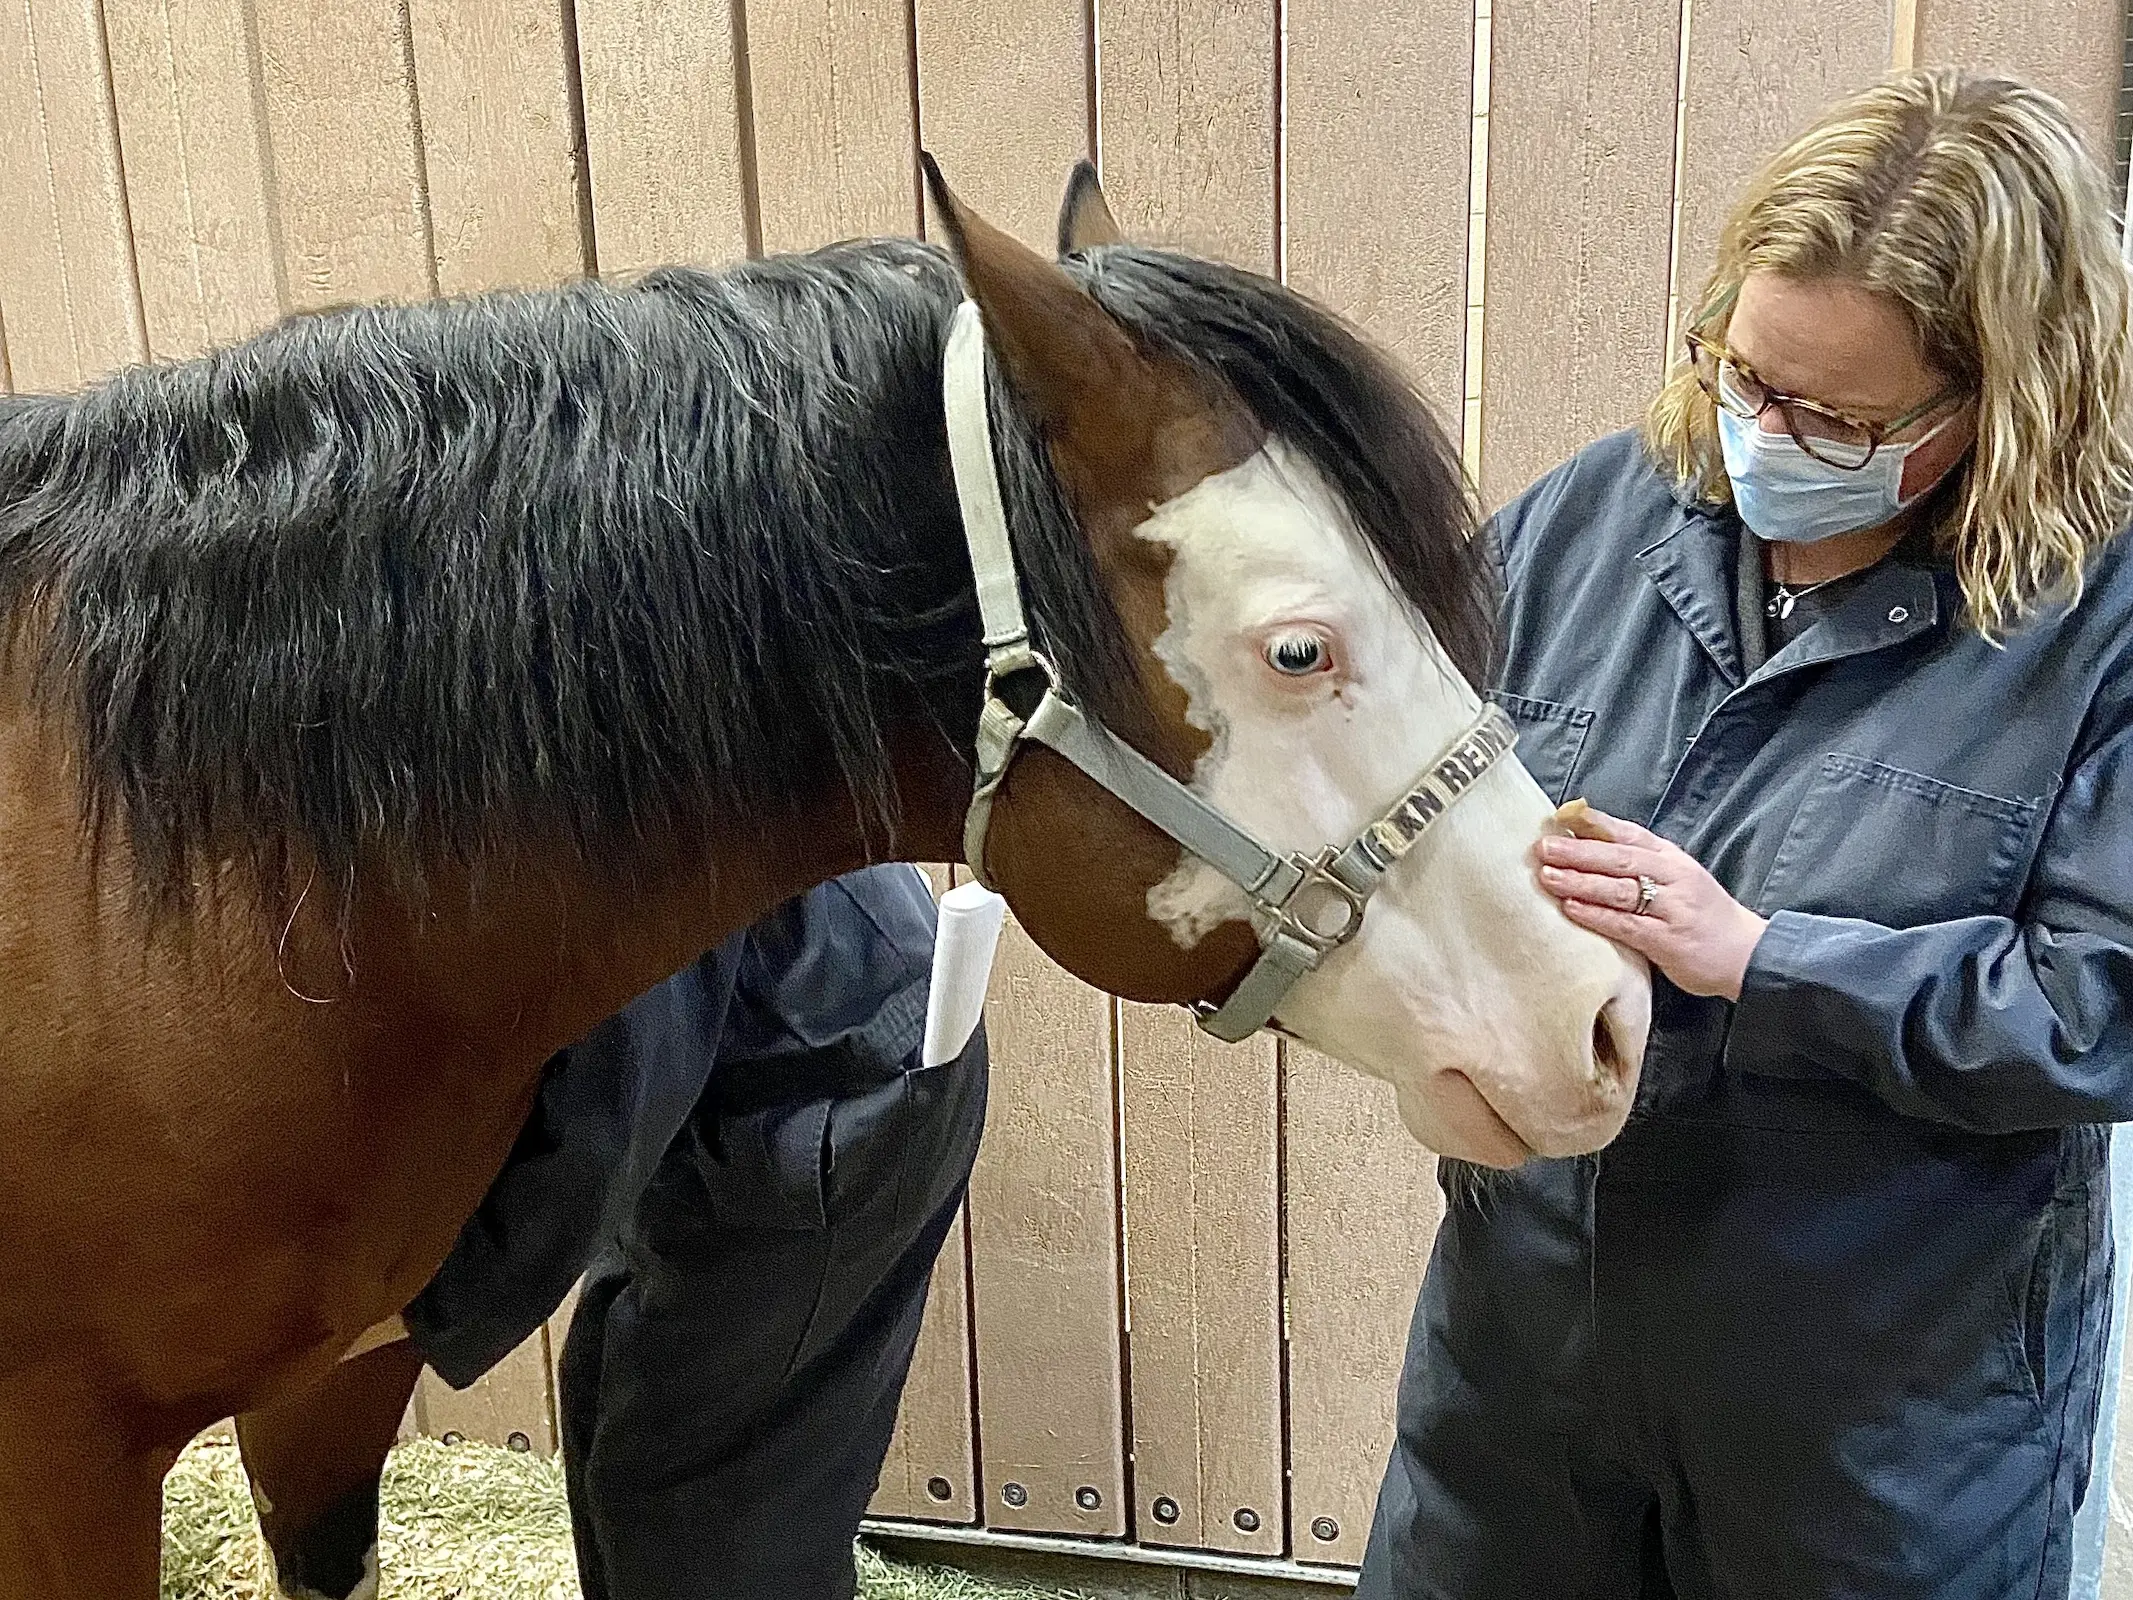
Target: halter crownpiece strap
1302, 907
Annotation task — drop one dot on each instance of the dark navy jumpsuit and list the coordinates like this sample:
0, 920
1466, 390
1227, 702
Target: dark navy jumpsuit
758, 1174
1828, 1319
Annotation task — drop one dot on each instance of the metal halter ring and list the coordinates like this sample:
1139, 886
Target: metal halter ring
1647, 892
1321, 911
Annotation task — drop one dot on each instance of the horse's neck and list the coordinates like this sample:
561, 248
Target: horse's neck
532, 959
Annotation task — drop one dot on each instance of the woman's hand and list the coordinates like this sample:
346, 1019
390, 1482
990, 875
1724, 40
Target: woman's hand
1690, 928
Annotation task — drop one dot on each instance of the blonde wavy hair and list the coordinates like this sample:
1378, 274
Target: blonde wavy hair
1972, 203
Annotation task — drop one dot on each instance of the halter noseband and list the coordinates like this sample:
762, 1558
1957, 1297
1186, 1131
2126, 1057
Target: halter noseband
1302, 907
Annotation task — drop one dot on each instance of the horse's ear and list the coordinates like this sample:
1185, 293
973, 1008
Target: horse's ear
1070, 362
1085, 219
1126, 431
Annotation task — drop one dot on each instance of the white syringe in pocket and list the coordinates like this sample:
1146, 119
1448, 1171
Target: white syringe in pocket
963, 947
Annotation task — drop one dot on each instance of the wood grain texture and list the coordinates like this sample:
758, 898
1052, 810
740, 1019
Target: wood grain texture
1363, 1207
1379, 129
2076, 52
662, 132
931, 1471
1200, 1125
1189, 124
499, 143
513, 1407
337, 86
1044, 1255
67, 286
835, 125
1004, 105
199, 184
1580, 197
1903, 34
1756, 76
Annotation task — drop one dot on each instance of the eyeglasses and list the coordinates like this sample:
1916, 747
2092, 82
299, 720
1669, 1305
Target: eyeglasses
1831, 437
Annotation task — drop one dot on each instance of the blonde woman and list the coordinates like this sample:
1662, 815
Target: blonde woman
1838, 651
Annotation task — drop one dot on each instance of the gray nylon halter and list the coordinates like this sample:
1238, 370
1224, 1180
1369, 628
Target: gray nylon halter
1303, 907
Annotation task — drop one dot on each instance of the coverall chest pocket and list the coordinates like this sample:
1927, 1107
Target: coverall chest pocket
1551, 738
1900, 848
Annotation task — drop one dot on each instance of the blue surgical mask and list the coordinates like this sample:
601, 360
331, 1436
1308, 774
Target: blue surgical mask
1783, 493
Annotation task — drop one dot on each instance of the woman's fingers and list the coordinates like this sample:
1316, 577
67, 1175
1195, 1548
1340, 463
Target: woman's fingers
1691, 929
1601, 889
1587, 823
1594, 855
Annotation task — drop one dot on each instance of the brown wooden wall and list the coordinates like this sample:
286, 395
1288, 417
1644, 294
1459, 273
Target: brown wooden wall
1186, 1269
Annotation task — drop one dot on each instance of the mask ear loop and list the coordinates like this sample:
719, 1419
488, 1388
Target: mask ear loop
1905, 502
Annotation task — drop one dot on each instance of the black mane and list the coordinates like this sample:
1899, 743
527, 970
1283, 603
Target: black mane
610, 562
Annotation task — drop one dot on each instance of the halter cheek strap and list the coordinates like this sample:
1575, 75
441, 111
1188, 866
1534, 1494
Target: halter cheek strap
1302, 907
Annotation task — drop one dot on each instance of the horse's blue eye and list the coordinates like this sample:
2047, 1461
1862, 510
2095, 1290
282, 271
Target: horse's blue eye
1296, 654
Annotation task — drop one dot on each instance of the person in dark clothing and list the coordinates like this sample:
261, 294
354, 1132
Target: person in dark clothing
754, 1173
1840, 653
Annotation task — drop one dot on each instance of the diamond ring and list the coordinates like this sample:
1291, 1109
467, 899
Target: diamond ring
1647, 892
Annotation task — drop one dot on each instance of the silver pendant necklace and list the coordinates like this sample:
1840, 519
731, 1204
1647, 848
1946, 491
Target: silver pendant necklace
1781, 603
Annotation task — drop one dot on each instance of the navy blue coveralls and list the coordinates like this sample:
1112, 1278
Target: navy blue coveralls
758, 1174
1828, 1318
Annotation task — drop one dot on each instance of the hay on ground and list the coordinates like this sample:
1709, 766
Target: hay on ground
461, 1522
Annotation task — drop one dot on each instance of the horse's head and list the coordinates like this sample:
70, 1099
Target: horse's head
1284, 537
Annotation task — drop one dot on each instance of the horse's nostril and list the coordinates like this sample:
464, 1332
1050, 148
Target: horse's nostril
1607, 1062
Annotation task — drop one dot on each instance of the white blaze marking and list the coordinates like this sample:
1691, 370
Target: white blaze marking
1265, 545
1466, 986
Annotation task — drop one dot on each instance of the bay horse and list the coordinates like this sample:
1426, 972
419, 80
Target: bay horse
391, 696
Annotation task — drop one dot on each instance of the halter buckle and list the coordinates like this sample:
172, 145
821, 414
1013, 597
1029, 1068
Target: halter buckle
1323, 911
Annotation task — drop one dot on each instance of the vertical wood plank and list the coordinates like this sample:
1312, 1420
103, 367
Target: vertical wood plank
337, 87
1203, 1227
1044, 1255
498, 142
835, 126
662, 132
198, 182
67, 285
2075, 53
1363, 1206
512, 1407
1755, 76
1379, 125
930, 1474
1189, 118
1004, 105
1580, 203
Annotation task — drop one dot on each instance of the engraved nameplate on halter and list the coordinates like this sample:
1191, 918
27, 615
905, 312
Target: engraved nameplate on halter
1393, 836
